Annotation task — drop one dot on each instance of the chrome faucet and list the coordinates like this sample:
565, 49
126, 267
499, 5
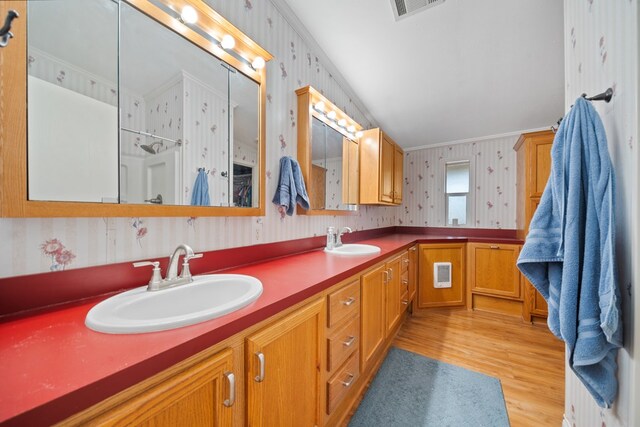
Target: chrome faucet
339, 235
157, 282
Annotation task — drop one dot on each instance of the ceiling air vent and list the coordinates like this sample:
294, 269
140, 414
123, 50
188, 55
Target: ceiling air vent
404, 8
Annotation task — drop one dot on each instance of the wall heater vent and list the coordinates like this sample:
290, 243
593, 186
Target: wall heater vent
441, 274
404, 8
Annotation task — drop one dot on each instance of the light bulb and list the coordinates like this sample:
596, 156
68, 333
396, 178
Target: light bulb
351, 128
342, 122
319, 106
189, 15
359, 134
331, 115
228, 42
258, 63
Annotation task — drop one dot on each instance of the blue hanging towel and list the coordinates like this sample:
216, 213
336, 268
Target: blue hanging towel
569, 253
200, 192
291, 188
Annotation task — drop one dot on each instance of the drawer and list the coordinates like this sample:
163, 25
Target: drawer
344, 303
404, 300
342, 343
340, 384
405, 262
404, 282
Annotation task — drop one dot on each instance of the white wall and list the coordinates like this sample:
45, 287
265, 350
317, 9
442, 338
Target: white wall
96, 241
492, 186
601, 50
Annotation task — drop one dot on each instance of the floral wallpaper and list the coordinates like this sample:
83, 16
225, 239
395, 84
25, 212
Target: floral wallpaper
98, 241
492, 183
601, 51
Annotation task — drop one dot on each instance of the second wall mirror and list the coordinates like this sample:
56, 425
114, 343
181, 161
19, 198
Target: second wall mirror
328, 155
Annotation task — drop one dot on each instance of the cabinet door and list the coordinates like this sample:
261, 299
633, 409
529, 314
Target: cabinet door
393, 294
493, 269
413, 271
539, 168
197, 395
428, 294
284, 363
387, 152
398, 172
372, 294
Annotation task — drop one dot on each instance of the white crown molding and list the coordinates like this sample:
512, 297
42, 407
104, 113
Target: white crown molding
478, 139
289, 15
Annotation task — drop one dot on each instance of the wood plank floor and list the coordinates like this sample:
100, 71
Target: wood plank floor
528, 359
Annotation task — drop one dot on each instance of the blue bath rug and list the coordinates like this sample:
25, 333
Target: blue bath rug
413, 390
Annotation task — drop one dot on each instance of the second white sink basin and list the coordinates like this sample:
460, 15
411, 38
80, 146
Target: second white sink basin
354, 249
207, 297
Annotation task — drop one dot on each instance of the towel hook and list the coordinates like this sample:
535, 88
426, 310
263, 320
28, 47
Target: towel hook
5, 31
604, 96
203, 169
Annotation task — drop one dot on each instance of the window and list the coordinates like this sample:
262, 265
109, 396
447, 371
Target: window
457, 192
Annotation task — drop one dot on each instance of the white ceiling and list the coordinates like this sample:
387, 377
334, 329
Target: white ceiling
464, 69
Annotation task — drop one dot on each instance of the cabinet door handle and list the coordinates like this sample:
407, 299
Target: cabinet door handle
391, 274
386, 276
349, 301
260, 377
494, 247
412, 249
349, 342
349, 380
232, 389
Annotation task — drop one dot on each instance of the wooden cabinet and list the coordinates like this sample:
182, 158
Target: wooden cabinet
492, 269
393, 293
284, 363
193, 393
343, 340
372, 291
318, 183
534, 166
428, 294
413, 272
381, 169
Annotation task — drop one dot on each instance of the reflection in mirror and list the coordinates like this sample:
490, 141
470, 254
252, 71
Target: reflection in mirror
332, 162
73, 100
183, 111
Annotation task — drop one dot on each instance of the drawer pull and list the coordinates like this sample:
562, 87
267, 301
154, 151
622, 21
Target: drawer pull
260, 377
494, 247
406, 261
412, 249
232, 389
391, 274
349, 380
349, 301
386, 276
405, 282
349, 342
405, 301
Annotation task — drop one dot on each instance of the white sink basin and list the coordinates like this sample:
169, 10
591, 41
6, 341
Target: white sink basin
354, 249
208, 296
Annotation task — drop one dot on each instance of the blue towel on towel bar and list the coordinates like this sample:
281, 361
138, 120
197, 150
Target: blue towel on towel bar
200, 192
291, 188
569, 253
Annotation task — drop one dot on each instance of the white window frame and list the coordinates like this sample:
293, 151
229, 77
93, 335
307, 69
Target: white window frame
470, 195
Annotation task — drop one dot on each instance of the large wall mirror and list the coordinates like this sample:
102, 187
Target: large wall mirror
136, 108
328, 155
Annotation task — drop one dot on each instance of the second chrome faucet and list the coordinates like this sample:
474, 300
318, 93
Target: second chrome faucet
157, 282
334, 238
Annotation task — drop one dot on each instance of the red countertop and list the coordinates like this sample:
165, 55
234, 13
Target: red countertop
52, 366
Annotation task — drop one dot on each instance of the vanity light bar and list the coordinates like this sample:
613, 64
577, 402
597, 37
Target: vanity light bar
226, 39
327, 112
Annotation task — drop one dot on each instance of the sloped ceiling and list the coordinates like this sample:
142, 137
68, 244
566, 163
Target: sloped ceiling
464, 69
